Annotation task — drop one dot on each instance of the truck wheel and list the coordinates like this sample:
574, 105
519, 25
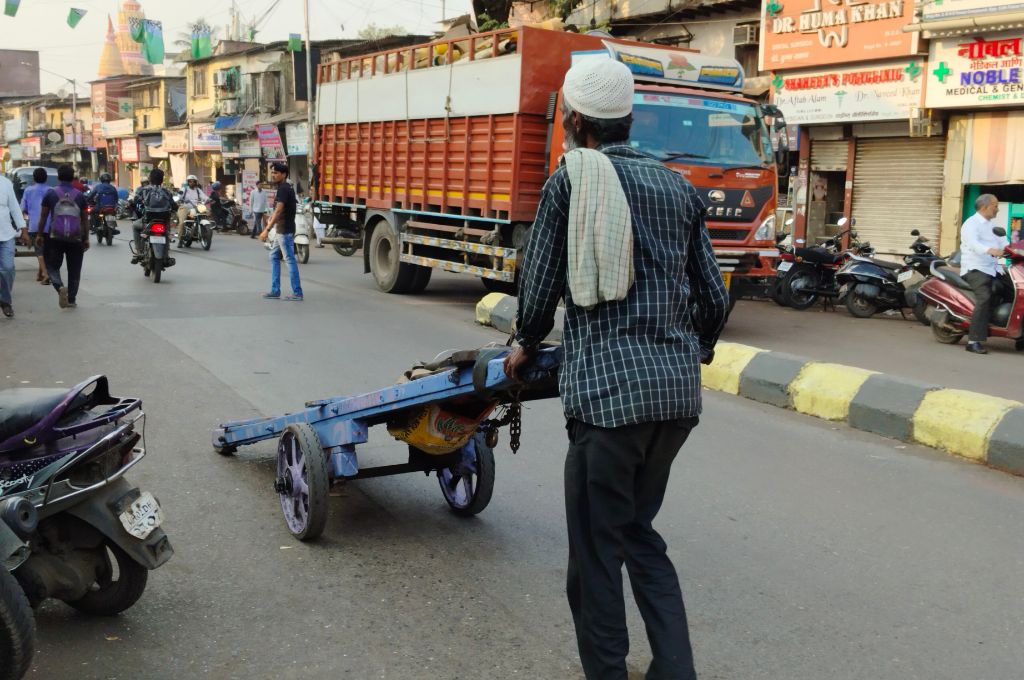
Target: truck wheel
420, 281
389, 272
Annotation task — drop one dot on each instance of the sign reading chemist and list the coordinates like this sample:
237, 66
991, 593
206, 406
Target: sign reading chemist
976, 71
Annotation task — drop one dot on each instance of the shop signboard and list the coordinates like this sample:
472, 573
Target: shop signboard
175, 141
122, 127
976, 71
204, 138
14, 129
249, 148
249, 180
886, 91
270, 142
130, 150
32, 148
297, 137
937, 10
815, 33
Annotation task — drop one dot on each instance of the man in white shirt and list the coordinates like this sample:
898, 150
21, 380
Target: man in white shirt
980, 264
11, 223
258, 208
191, 197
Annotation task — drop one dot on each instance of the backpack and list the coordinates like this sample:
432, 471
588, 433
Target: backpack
157, 200
66, 224
106, 196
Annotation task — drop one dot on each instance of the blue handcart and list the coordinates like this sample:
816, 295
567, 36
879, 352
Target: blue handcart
441, 409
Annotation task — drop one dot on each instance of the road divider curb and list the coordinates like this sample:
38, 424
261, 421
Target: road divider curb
975, 426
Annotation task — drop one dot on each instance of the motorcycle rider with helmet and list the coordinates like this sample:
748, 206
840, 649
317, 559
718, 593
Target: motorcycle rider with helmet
142, 202
216, 203
103, 195
191, 197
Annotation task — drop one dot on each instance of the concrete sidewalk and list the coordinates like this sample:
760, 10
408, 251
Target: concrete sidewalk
983, 428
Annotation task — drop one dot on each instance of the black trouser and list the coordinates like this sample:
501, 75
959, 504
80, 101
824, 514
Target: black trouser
53, 255
615, 481
981, 283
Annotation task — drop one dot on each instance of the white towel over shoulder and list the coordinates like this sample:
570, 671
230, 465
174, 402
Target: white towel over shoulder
600, 239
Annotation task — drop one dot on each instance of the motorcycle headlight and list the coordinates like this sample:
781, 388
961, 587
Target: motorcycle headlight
766, 232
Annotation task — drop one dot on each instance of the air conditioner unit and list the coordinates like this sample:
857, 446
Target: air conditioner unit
220, 78
746, 34
229, 107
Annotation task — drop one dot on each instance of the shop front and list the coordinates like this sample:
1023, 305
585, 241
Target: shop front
850, 78
978, 80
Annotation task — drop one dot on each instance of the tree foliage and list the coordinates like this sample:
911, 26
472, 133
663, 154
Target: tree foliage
374, 32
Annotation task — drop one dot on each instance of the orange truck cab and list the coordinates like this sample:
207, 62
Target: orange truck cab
433, 157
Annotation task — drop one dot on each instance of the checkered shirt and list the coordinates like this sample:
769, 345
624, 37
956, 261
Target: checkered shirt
636, 360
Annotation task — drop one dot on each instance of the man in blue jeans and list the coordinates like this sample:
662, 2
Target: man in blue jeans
284, 218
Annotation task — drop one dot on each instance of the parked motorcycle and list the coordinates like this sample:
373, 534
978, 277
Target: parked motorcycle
103, 223
125, 209
869, 286
953, 299
784, 242
227, 215
198, 227
156, 250
809, 273
71, 527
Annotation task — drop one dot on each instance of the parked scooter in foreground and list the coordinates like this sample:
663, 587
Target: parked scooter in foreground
869, 285
953, 299
71, 527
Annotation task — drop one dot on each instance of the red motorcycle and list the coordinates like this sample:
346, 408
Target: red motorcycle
953, 300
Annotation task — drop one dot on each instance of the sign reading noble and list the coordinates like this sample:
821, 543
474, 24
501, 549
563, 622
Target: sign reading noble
887, 91
812, 33
976, 71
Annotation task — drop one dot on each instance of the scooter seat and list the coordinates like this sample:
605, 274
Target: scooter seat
23, 407
817, 255
955, 279
885, 264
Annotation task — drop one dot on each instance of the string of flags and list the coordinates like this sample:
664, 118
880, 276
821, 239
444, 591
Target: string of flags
74, 16
11, 7
150, 34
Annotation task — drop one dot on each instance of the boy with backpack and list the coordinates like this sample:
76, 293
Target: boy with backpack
65, 235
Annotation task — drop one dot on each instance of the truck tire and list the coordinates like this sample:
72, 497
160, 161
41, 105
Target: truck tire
421, 279
389, 272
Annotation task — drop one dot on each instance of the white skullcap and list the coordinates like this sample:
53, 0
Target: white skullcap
599, 88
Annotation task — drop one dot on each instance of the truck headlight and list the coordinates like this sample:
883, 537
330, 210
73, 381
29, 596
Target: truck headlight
766, 232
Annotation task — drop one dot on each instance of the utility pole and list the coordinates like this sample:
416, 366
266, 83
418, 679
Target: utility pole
310, 102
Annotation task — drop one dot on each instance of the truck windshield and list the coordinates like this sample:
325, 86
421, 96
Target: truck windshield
699, 130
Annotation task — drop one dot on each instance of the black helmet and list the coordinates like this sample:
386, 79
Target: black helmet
105, 177
215, 186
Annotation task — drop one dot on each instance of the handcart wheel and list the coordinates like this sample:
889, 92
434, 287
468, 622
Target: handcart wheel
468, 484
225, 450
302, 481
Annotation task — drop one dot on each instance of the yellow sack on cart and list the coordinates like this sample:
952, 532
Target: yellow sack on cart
435, 430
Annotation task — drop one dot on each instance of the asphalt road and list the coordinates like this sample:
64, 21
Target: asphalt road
806, 550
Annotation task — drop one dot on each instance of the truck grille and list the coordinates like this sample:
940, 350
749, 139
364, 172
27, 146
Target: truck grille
729, 234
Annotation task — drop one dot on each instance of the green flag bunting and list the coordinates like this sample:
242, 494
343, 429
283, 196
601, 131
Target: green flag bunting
201, 47
153, 42
74, 16
294, 42
137, 29
11, 7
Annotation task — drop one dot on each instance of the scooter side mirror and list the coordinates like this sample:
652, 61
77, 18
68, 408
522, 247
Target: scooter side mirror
780, 237
915, 232
853, 234
999, 231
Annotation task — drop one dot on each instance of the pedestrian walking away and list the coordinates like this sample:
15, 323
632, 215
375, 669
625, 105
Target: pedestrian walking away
981, 265
258, 208
65, 236
622, 238
12, 225
283, 218
31, 204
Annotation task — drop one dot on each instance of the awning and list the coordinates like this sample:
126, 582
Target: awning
291, 117
234, 125
995, 21
204, 116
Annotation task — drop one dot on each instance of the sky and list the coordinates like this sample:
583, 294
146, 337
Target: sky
74, 53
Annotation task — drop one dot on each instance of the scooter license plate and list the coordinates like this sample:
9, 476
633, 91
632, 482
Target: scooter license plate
784, 267
904, 275
158, 239
142, 517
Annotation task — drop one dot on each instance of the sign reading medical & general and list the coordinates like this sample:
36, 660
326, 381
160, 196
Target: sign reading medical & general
976, 71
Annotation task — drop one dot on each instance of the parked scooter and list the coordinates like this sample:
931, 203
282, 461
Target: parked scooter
156, 249
809, 273
869, 286
303, 227
71, 527
198, 227
125, 209
953, 299
784, 242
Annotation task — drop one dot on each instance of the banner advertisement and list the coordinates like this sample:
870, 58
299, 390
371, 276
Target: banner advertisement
887, 91
297, 137
983, 70
175, 141
249, 148
249, 180
130, 150
953, 9
204, 138
270, 142
814, 33
122, 127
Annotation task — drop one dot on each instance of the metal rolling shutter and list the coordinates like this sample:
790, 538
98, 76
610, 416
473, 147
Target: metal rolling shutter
897, 187
830, 155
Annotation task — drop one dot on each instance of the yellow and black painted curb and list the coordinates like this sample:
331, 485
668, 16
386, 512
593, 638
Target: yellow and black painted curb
976, 426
